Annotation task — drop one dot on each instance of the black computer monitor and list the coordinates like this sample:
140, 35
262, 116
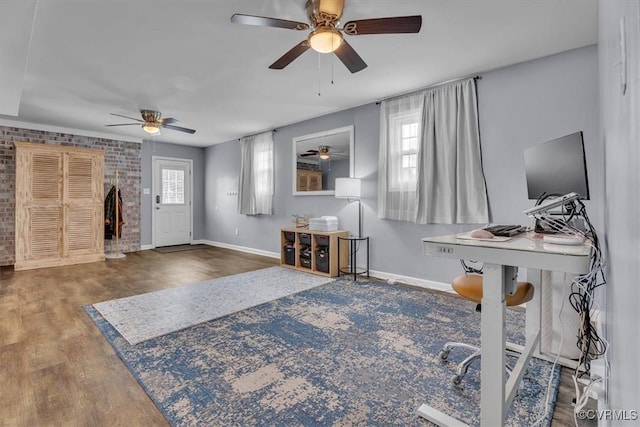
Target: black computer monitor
557, 167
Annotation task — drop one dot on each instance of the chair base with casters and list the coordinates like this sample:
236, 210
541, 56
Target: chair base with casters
469, 286
463, 367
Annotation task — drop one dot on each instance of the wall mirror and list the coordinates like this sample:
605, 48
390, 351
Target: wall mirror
320, 158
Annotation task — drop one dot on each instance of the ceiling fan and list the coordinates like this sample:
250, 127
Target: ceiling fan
152, 121
326, 35
323, 152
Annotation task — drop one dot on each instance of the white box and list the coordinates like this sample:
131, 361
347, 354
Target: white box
324, 223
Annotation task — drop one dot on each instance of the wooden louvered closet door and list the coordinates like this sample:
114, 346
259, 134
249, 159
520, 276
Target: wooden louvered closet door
59, 205
309, 180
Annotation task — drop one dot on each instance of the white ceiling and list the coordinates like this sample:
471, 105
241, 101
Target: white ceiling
67, 64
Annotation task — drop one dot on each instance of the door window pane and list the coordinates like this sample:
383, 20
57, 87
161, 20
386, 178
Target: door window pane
172, 186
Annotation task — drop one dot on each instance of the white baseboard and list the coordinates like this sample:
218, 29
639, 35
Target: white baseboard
413, 281
238, 248
146, 247
389, 277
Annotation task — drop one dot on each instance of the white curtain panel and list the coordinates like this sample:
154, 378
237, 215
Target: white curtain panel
440, 181
255, 187
397, 192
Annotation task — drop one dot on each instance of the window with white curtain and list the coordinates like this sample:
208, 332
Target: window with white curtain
255, 187
263, 170
404, 150
430, 166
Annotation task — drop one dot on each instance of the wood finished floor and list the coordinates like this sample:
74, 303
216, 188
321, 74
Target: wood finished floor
56, 368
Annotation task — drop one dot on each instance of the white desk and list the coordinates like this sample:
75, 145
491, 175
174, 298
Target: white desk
501, 260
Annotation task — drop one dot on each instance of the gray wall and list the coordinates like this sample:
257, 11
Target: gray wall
150, 149
519, 106
621, 137
333, 169
221, 184
534, 102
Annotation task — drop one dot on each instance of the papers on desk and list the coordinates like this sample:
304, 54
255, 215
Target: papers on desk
467, 236
565, 249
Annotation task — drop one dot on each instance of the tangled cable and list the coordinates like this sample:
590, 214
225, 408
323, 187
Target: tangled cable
582, 298
583, 286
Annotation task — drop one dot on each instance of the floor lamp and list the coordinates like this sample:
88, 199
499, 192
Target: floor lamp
350, 189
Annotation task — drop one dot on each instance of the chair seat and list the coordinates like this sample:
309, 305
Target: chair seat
469, 286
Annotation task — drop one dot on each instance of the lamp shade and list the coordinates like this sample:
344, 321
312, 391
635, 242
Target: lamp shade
348, 188
325, 39
151, 128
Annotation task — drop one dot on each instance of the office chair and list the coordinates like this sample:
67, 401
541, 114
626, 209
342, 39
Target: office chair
469, 286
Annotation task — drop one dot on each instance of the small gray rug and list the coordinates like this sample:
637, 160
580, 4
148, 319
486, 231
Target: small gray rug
178, 248
142, 317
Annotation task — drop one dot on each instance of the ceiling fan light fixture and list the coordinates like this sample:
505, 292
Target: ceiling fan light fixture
325, 39
151, 128
324, 156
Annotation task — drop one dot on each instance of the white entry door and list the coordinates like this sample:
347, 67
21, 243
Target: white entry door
171, 201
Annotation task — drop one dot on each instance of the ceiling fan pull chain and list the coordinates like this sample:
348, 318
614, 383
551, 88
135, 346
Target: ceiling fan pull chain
332, 62
319, 75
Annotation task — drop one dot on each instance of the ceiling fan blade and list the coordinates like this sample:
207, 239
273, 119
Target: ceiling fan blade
350, 57
169, 120
308, 154
395, 25
127, 117
179, 128
288, 57
262, 21
125, 124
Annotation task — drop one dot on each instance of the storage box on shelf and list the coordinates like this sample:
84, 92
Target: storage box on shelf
313, 251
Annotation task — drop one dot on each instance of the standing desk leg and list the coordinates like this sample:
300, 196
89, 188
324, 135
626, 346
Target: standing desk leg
492, 362
534, 308
497, 280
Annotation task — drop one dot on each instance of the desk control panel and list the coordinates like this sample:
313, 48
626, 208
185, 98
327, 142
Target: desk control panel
444, 250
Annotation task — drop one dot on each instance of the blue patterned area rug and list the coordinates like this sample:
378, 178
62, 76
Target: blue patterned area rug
345, 353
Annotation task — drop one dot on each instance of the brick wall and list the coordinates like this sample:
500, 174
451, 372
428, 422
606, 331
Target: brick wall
121, 155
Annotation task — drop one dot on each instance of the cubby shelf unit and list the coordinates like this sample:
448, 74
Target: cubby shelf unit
321, 248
